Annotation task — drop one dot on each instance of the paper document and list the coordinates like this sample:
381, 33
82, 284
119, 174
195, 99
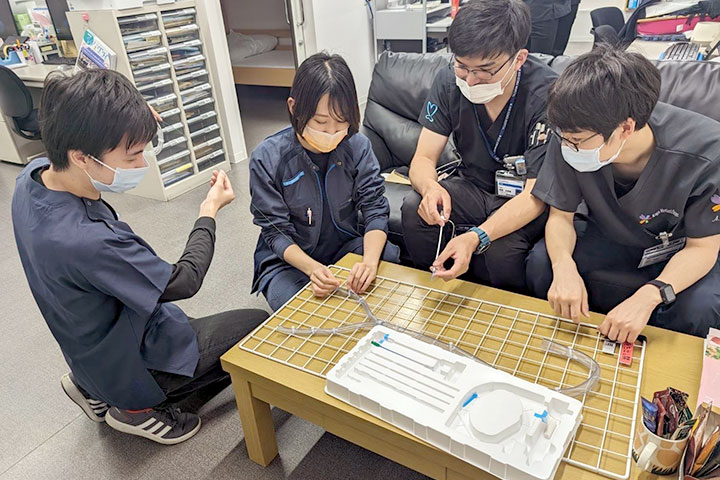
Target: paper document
710, 379
663, 8
94, 53
395, 177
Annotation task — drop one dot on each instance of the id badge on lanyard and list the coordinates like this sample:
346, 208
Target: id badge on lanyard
664, 251
510, 182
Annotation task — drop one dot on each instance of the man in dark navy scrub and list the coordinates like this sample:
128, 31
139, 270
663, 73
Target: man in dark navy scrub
137, 361
491, 99
552, 21
650, 175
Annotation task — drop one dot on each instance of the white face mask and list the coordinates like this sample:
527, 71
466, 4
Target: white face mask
321, 141
125, 178
588, 160
483, 92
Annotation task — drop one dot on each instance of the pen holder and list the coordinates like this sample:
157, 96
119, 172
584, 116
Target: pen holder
12, 59
656, 454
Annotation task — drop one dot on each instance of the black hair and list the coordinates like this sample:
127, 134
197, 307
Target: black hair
320, 74
92, 111
603, 88
489, 28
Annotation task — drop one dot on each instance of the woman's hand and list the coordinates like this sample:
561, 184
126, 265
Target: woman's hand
323, 281
361, 276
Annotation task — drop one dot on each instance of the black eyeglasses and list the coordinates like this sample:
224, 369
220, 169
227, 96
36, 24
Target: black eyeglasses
574, 146
479, 73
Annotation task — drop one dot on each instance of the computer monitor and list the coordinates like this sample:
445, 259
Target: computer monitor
57, 9
7, 21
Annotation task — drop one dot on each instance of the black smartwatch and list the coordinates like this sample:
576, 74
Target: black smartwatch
666, 291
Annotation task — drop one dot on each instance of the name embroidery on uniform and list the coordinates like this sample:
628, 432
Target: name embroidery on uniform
431, 109
645, 219
715, 199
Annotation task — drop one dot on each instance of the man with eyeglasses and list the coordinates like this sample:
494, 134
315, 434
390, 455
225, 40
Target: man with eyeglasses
491, 99
649, 173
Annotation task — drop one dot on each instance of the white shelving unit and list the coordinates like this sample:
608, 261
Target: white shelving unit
162, 49
412, 22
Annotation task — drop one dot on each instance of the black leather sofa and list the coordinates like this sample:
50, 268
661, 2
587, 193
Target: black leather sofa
401, 82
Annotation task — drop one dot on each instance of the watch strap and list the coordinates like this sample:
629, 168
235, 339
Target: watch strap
484, 240
663, 287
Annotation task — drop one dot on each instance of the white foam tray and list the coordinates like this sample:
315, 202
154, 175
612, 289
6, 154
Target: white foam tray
506, 426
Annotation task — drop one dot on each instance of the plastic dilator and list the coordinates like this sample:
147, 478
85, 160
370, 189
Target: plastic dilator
437, 251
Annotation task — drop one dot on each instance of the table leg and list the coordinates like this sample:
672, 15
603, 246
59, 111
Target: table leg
256, 421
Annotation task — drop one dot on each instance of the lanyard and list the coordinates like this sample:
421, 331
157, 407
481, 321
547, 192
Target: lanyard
493, 151
664, 237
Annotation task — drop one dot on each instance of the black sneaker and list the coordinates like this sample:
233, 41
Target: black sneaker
94, 409
164, 425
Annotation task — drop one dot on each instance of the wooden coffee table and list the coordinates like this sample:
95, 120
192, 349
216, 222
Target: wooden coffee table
671, 359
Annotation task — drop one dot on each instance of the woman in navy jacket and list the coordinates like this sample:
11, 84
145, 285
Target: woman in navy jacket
310, 182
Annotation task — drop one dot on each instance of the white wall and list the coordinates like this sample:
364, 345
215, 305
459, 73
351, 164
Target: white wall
254, 14
343, 27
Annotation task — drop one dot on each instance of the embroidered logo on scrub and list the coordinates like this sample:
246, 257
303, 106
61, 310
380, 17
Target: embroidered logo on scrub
431, 111
645, 219
715, 199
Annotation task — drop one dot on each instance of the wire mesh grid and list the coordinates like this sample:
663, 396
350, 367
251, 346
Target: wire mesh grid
508, 338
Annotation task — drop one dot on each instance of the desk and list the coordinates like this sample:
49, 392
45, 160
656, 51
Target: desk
33, 76
440, 26
22, 150
650, 50
670, 359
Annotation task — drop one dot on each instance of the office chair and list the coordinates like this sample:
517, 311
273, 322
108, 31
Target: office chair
605, 34
612, 16
607, 23
16, 103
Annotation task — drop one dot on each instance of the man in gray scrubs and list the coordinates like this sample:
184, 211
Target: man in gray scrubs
650, 175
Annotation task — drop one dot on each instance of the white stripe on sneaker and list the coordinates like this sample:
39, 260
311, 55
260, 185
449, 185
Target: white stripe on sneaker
152, 425
90, 409
113, 420
157, 427
147, 423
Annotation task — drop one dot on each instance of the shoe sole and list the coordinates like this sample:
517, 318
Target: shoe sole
78, 399
133, 430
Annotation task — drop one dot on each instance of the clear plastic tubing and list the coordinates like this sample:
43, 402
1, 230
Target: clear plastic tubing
372, 321
580, 357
